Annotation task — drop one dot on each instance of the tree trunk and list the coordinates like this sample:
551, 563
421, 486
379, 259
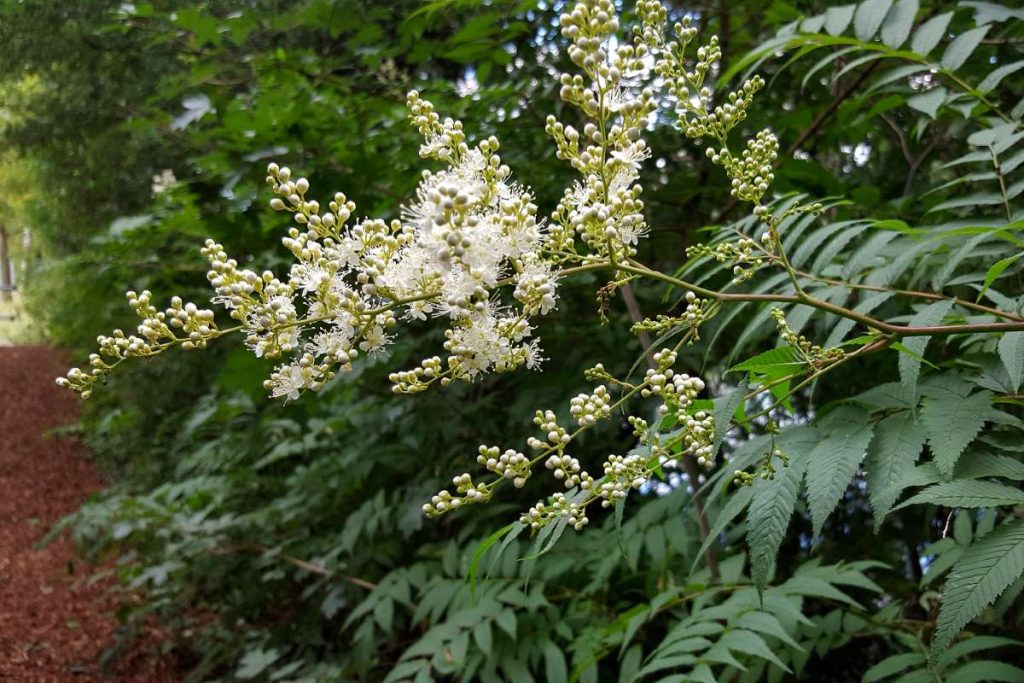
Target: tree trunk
5, 268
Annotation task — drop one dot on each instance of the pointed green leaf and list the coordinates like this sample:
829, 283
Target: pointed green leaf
952, 423
967, 493
972, 645
895, 447
773, 502
482, 549
962, 47
554, 664
482, 636
994, 271
996, 77
869, 17
910, 368
899, 22
893, 665
1011, 351
980, 465
930, 33
766, 623
750, 644
986, 672
725, 408
777, 362
929, 101
833, 462
838, 18
736, 504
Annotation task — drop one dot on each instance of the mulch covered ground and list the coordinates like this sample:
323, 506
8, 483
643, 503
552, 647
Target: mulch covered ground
54, 623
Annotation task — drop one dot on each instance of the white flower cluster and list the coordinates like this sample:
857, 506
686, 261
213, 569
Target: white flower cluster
511, 464
587, 409
469, 231
604, 208
621, 474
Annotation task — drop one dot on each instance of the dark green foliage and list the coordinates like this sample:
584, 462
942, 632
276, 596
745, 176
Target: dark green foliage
286, 543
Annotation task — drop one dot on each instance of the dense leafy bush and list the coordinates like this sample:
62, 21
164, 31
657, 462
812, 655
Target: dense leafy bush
868, 356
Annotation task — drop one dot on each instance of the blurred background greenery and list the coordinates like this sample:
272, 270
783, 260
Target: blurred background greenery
285, 542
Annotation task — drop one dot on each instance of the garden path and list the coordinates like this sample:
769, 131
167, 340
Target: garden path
55, 623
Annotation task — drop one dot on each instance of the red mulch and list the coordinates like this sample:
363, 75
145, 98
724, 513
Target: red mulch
54, 623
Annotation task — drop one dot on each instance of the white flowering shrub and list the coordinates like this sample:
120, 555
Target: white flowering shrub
473, 250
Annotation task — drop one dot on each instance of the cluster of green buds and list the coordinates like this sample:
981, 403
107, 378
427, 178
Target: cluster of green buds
420, 378
695, 433
766, 470
815, 355
698, 437
745, 255
261, 301
670, 62
639, 425
702, 119
195, 322
697, 312
511, 464
466, 493
559, 507
692, 436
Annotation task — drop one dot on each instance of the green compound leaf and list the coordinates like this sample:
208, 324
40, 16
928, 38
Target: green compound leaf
984, 571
